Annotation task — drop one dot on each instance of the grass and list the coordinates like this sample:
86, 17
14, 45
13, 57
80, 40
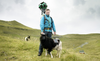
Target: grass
14, 48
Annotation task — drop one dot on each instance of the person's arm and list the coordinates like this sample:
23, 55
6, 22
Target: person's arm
42, 24
54, 29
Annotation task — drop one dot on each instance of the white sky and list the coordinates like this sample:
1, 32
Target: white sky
70, 16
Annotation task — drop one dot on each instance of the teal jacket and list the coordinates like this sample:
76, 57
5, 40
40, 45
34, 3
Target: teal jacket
47, 24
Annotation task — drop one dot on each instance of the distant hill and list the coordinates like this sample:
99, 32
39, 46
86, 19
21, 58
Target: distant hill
14, 48
16, 29
13, 24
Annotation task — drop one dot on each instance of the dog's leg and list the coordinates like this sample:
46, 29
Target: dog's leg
51, 55
59, 49
45, 52
59, 53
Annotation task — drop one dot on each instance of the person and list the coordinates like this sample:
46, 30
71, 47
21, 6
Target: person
46, 25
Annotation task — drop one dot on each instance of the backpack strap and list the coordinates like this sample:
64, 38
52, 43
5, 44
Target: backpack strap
47, 20
44, 19
51, 21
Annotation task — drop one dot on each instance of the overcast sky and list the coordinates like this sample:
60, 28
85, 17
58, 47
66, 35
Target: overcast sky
70, 16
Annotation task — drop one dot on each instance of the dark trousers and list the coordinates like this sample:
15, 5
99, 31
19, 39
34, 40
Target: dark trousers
48, 34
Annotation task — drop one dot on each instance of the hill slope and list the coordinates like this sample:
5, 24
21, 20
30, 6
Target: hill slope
16, 30
14, 48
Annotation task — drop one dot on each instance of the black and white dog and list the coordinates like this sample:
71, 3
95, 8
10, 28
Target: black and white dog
49, 45
27, 38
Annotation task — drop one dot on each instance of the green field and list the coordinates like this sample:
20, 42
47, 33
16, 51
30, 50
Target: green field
14, 48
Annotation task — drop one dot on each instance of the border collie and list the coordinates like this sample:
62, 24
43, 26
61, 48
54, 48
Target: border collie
27, 38
49, 45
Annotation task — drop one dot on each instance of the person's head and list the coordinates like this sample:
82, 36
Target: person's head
47, 11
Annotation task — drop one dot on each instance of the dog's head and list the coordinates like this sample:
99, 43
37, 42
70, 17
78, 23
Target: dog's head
43, 36
28, 37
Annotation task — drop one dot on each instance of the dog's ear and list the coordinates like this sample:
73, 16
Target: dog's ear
58, 40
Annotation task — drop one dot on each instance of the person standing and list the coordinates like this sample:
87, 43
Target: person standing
46, 25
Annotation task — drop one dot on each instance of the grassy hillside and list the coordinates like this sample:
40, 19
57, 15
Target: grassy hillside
14, 48
92, 50
16, 30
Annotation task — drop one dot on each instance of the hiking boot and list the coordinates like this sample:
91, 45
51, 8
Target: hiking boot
39, 54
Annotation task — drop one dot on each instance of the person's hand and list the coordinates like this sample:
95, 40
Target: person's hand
54, 33
42, 32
